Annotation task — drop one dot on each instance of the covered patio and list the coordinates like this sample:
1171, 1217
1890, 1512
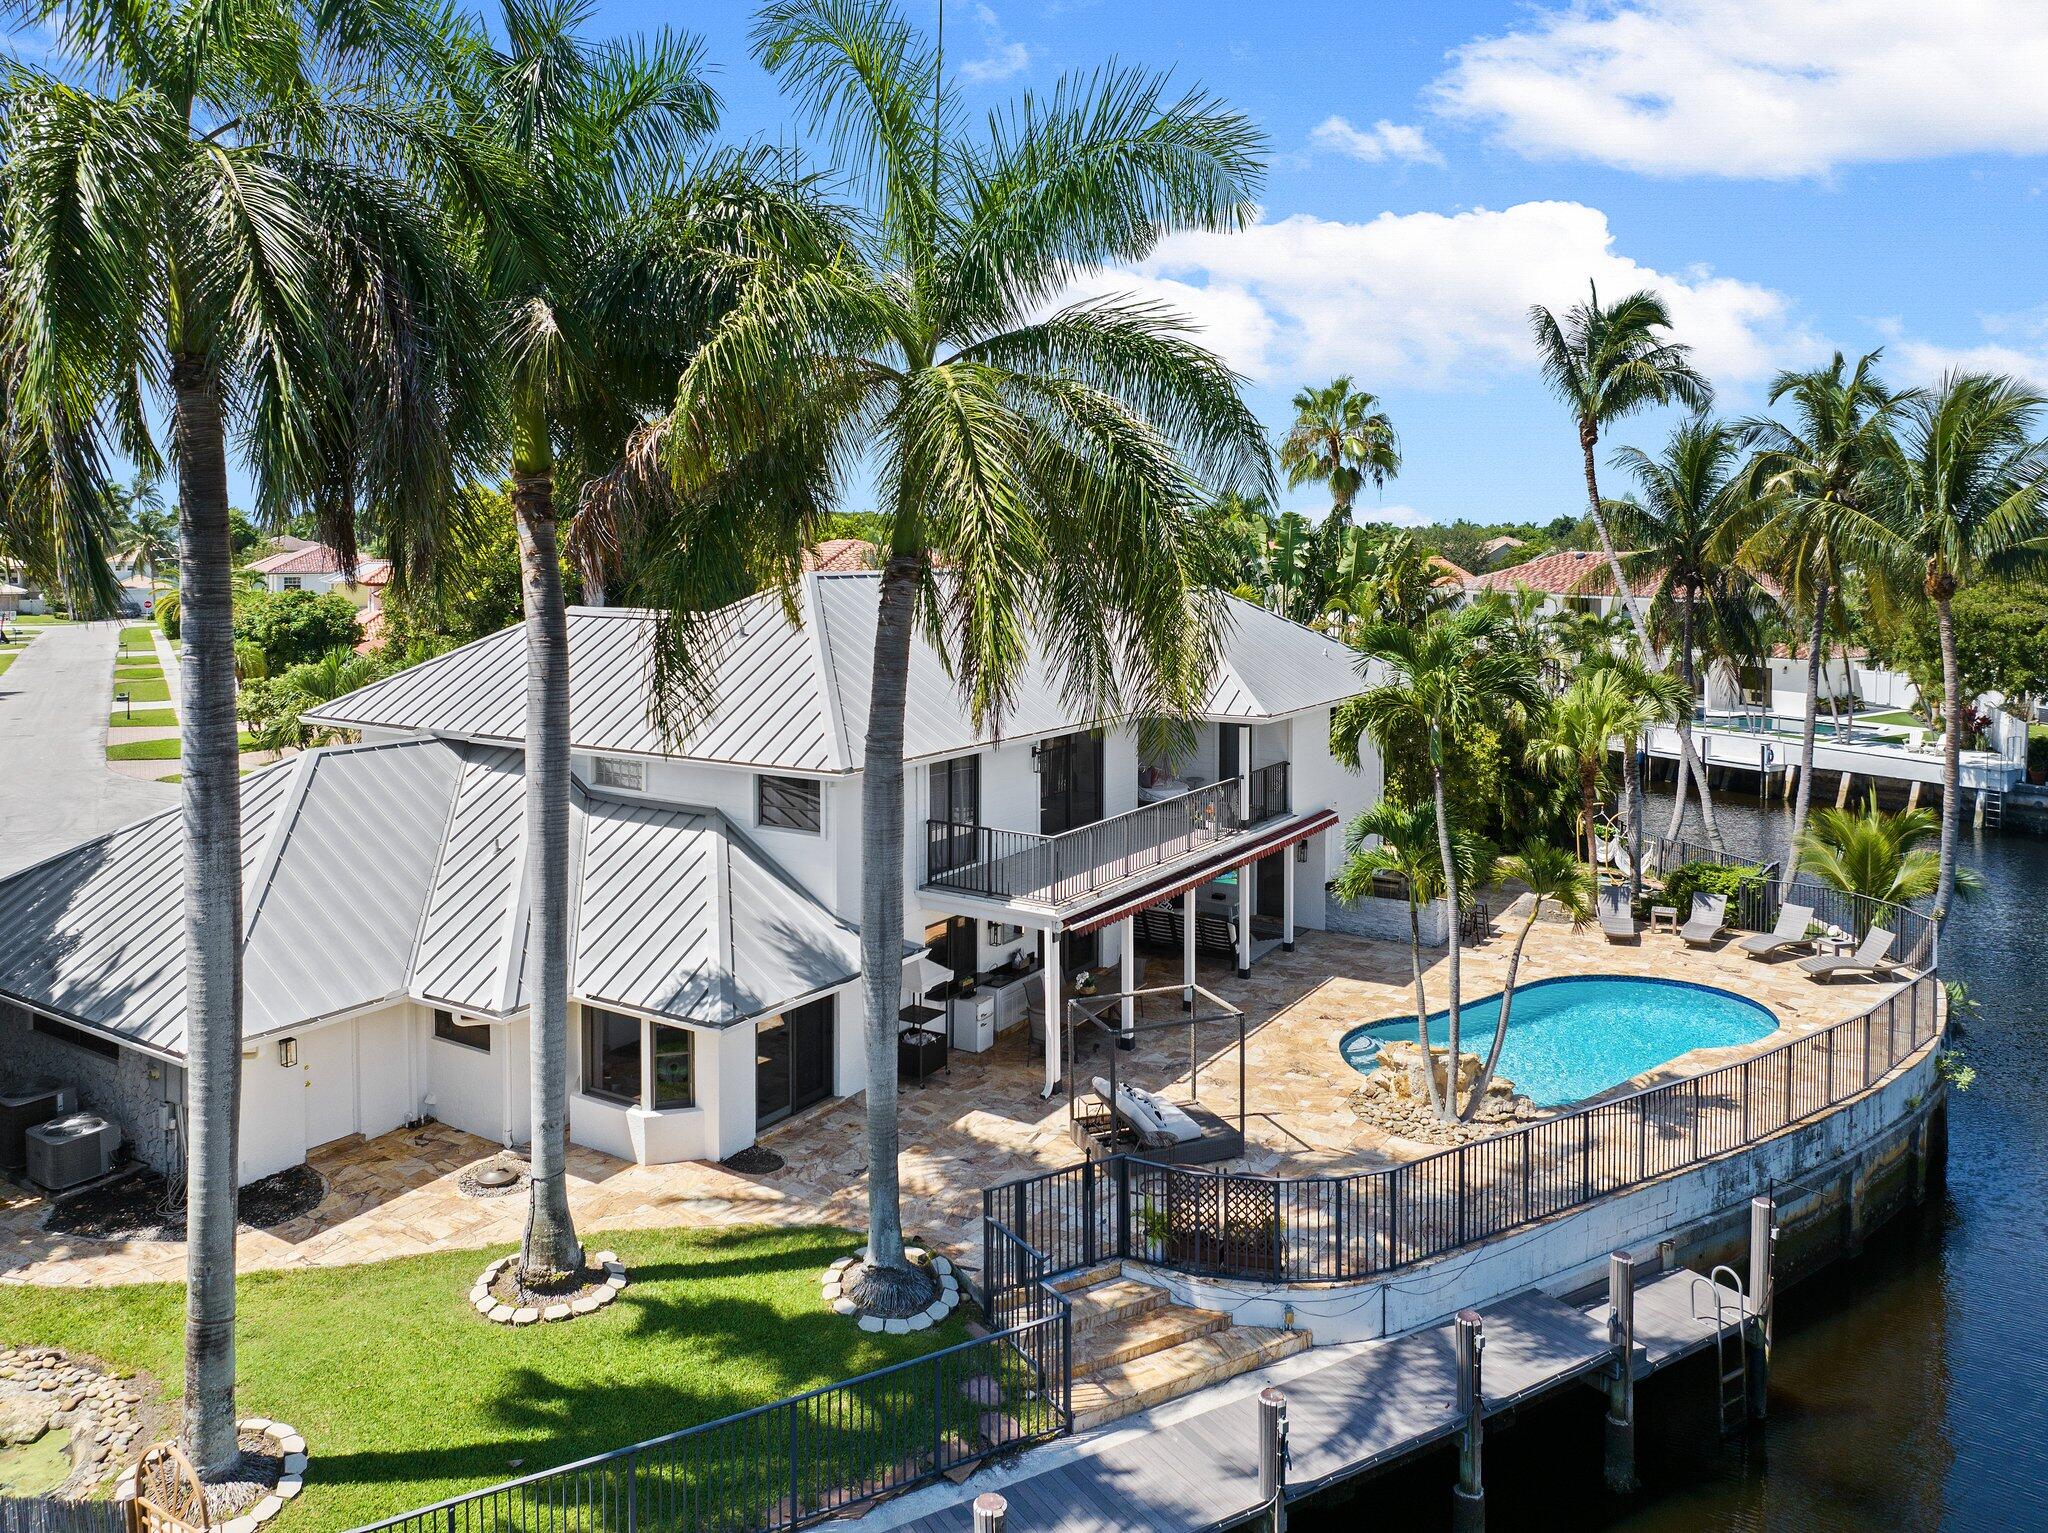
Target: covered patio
983, 1122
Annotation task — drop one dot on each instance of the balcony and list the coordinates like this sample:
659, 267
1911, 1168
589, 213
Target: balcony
1056, 870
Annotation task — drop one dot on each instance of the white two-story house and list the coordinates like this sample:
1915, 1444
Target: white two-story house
716, 879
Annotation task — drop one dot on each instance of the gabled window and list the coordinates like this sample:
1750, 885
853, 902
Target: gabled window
789, 803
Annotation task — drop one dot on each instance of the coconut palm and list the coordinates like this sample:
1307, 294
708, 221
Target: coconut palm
1653, 698
1815, 488
145, 529
1607, 362
1700, 603
1575, 738
1877, 855
1340, 438
1968, 495
1458, 670
1405, 845
204, 205
1549, 873
1042, 467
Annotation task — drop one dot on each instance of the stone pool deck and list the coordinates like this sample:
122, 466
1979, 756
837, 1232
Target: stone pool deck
980, 1123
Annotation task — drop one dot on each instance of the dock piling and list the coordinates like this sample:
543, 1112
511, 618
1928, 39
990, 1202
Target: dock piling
991, 1513
1621, 1385
1273, 1455
1468, 1498
1763, 1241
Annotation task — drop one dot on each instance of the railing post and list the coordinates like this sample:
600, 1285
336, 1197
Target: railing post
991, 1513
1273, 1456
1585, 1157
794, 1517
1087, 1213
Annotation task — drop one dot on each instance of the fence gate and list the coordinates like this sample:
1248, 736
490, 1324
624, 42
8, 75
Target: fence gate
1224, 1223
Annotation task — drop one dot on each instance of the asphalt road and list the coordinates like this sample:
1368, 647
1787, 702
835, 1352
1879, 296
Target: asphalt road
55, 789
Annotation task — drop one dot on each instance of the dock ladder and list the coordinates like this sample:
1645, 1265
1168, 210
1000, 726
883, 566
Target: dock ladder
1731, 1344
1990, 808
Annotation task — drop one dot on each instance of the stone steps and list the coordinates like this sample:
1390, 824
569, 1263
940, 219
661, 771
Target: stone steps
1143, 1382
1111, 1303
1154, 1331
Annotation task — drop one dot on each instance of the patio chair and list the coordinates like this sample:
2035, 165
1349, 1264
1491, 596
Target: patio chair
1868, 958
1793, 920
1618, 916
1709, 915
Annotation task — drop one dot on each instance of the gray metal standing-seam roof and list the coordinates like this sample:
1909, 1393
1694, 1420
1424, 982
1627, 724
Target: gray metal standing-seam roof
794, 696
381, 871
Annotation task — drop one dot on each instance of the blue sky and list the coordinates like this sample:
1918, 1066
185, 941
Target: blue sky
1795, 175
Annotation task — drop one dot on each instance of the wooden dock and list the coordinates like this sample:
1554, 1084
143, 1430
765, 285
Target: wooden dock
1360, 1409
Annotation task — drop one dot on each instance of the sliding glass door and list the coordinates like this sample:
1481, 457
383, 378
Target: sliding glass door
793, 1061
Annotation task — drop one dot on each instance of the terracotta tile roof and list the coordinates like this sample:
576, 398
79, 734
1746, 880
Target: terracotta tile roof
1452, 574
837, 555
1569, 572
319, 559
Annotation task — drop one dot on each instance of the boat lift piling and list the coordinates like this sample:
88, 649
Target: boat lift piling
1763, 1243
1273, 1456
1621, 1383
1468, 1499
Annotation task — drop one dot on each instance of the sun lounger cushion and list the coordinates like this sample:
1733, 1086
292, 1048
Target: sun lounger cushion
1157, 1121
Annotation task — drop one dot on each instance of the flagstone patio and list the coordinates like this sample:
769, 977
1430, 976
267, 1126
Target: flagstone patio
979, 1123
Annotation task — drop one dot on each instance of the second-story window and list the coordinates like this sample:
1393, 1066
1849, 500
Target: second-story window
955, 811
789, 803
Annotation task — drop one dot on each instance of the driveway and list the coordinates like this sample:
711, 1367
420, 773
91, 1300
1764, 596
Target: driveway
55, 789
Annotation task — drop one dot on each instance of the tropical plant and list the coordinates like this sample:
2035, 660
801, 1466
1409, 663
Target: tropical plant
145, 529
1815, 489
1458, 670
291, 627
1577, 634
1607, 362
1041, 466
206, 204
1573, 742
1879, 855
1383, 574
1967, 496
1549, 873
1405, 845
1340, 438
1291, 576
1243, 527
1702, 606
1652, 698
168, 614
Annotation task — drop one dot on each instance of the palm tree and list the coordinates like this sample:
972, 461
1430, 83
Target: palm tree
1968, 496
1575, 738
1458, 670
1549, 873
1406, 847
1340, 438
1699, 601
1040, 475
1815, 489
204, 204
1652, 698
1880, 856
1607, 362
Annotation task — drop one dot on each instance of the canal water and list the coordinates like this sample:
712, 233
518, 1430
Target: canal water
1909, 1387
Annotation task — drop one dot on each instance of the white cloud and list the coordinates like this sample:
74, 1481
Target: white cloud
1382, 141
1004, 57
2011, 343
1437, 300
1760, 88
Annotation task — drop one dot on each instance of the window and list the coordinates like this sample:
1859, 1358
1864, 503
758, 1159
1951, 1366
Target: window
291, 582
471, 1035
956, 812
611, 1056
77, 1037
617, 772
675, 1065
789, 803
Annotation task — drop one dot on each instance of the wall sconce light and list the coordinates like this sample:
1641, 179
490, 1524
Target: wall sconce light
1034, 756
287, 1052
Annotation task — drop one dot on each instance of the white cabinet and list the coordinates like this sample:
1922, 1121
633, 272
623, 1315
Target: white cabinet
974, 1022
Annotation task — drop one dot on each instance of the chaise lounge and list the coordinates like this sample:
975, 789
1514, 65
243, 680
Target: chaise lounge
1868, 958
1709, 915
1793, 920
1617, 916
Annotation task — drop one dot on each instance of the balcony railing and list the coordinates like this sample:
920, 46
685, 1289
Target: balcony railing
1269, 793
1052, 870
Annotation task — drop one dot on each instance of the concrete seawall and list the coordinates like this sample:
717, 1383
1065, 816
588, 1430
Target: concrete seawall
1836, 1177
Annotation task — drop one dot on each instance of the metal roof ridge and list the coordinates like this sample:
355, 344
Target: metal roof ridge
419, 930
827, 674
274, 840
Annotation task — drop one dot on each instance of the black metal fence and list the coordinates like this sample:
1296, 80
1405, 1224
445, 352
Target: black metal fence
1918, 944
39, 1514
1346, 1228
805, 1459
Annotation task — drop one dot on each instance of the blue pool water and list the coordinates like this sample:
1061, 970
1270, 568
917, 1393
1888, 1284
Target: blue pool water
1570, 1038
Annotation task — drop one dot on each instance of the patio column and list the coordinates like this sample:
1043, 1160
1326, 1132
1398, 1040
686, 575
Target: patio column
1187, 950
1244, 919
1053, 1020
1126, 964
1286, 853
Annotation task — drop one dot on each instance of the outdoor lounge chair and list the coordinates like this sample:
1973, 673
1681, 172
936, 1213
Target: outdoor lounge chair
1790, 931
1709, 914
1868, 958
1182, 1135
1617, 916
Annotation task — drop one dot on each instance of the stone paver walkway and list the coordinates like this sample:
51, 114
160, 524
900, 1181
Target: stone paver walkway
982, 1123
55, 788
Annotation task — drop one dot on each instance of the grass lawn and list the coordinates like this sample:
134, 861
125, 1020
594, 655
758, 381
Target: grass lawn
158, 750
144, 718
137, 636
7, 659
1898, 716
148, 691
405, 1396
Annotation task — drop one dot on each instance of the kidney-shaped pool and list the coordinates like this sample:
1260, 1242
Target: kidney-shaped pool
1570, 1038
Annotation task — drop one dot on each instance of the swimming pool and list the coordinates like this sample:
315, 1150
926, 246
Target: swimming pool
1569, 1038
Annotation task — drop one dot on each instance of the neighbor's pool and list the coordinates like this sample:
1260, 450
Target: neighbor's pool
1570, 1038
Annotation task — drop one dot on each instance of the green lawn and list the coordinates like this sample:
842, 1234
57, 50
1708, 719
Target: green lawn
129, 670
136, 636
159, 750
1897, 716
154, 691
405, 1396
7, 659
144, 718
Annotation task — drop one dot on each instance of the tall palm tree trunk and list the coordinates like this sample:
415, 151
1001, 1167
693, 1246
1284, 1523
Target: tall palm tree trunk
1632, 791
1588, 808
550, 1245
1803, 800
1507, 1003
1690, 764
1951, 750
1436, 1100
1449, 1108
1588, 439
208, 763
888, 1279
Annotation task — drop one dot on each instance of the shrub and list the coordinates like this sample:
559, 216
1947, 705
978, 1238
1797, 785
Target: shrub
1690, 878
167, 614
2037, 749
295, 626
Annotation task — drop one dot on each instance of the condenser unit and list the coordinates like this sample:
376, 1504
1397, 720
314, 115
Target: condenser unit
72, 1150
24, 1104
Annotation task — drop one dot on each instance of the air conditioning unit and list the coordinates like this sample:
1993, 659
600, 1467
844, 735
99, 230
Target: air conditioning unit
24, 1104
72, 1150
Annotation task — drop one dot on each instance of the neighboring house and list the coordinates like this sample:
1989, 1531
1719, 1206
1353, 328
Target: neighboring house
836, 556
316, 567
717, 878
1493, 550
1572, 578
